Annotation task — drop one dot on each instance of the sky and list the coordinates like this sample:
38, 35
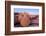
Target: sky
27, 10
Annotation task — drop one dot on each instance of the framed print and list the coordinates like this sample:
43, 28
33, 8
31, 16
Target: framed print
24, 17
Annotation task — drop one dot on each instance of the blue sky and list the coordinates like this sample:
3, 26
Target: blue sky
19, 10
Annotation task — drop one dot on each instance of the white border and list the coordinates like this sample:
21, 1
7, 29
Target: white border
25, 28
